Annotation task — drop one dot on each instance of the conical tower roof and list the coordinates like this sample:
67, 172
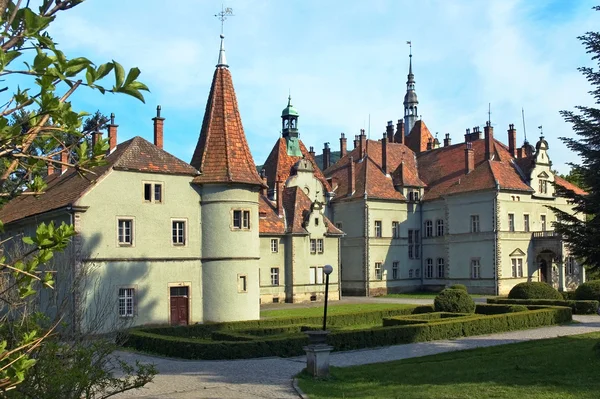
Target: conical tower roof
222, 154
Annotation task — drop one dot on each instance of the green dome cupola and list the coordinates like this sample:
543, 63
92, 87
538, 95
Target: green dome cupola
289, 128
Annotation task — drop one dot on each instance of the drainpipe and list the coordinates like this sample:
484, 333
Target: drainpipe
495, 215
420, 204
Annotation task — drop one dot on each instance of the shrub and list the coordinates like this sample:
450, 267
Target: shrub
589, 290
498, 309
458, 287
454, 301
569, 295
534, 290
578, 307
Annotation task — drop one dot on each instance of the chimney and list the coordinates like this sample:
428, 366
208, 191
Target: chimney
112, 134
519, 153
158, 128
50, 168
326, 156
400, 131
429, 144
64, 158
469, 157
311, 151
512, 140
96, 137
389, 131
489, 140
447, 140
263, 176
356, 141
343, 149
467, 135
362, 143
279, 195
384, 150
351, 176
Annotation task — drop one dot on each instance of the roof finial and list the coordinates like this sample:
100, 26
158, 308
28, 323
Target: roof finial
158, 111
409, 42
541, 132
112, 118
222, 16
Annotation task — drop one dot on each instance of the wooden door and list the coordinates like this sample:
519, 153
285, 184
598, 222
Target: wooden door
179, 306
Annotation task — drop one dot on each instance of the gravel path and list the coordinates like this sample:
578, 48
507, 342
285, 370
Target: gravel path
272, 377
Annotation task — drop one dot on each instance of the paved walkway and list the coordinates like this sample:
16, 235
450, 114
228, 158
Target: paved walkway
272, 377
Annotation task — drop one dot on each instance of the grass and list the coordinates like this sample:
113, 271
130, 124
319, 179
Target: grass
424, 295
565, 368
331, 310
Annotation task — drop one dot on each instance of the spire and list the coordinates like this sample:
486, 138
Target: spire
222, 154
410, 98
222, 62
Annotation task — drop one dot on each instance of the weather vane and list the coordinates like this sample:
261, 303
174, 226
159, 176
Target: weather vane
222, 16
541, 131
409, 42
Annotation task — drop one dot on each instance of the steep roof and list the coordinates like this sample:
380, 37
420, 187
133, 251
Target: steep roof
568, 185
419, 137
269, 222
65, 189
279, 163
368, 172
222, 154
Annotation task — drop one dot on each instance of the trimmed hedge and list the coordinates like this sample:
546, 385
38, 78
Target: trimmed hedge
458, 287
490, 309
454, 301
420, 318
346, 339
534, 290
589, 290
568, 295
577, 307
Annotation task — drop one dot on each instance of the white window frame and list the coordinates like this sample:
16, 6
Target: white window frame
516, 267
395, 229
378, 271
313, 246
126, 301
428, 228
242, 223
395, 269
511, 222
153, 197
312, 275
320, 246
274, 245
125, 243
176, 239
441, 267
440, 227
475, 268
378, 228
475, 226
429, 268
320, 275
275, 276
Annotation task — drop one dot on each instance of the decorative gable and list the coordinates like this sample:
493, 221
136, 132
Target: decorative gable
517, 252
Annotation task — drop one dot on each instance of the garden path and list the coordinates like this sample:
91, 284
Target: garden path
272, 377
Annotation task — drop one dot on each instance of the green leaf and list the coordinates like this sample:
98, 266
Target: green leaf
132, 76
133, 93
104, 70
28, 240
119, 74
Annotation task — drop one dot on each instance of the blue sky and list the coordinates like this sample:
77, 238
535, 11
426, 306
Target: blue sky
342, 60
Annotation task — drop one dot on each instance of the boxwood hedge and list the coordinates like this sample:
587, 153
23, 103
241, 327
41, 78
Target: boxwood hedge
578, 307
152, 340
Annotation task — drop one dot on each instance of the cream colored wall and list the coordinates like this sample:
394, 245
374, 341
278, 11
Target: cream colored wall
311, 186
229, 253
351, 215
304, 260
268, 260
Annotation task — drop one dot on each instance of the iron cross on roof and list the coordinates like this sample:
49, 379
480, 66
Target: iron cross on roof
222, 16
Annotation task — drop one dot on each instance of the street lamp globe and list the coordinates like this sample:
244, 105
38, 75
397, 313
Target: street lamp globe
327, 269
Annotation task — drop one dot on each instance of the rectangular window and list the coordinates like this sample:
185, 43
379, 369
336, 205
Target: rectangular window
511, 222
147, 192
474, 223
312, 276
242, 283
274, 245
378, 273
417, 235
320, 275
274, 276
313, 246
520, 267
395, 229
126, 302
526, 223
378, 228
428, 228
320, 245
395, 267
178, 232
475, 268
543, 186
440, 268
543, 222
429, 268
418, 273
241, 219
125, 231
514, 267
237, 219
440, 227
413, 244
246, 220
158, 193
153, 192
570, 261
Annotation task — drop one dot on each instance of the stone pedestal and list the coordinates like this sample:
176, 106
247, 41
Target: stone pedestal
317, 359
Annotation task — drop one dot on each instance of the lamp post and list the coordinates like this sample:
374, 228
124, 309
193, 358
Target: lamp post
327, 270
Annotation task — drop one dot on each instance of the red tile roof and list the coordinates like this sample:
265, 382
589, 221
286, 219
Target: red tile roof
569, 186
222, 154
279, 164
419, 137
64, 190
269, 222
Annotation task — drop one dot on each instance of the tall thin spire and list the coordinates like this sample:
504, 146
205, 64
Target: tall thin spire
222, 62
410, 98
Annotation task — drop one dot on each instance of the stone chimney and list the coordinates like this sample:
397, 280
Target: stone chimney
447, 140
356, 141
158, 128
384, 151
469, 157
362, 145
263, 176
326, 156
512, 140
112, 134
64, 158
279, 195
343, 145
351, 184
389, 131
489, 140
399, 136
429, 144
311, 151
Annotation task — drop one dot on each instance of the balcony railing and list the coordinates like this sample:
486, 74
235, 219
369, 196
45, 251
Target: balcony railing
545, 234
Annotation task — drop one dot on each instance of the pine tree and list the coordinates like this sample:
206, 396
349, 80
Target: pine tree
581, 230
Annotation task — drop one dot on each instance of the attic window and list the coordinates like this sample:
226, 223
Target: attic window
153, 192
316, 221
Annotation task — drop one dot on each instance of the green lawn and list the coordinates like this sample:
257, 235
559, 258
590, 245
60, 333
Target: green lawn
331, 310
562, 368
424, 295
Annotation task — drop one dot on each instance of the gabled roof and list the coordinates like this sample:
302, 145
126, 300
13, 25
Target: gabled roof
368, 173
222, 154
279, 164
569, 186
419, 137
65, 189
269, 222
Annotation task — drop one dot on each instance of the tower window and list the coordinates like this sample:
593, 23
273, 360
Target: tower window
241, 219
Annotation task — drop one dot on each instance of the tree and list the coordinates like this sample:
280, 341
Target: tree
581, 230
37, 124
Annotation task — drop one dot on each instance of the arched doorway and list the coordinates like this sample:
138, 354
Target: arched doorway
547, 272
543, 270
